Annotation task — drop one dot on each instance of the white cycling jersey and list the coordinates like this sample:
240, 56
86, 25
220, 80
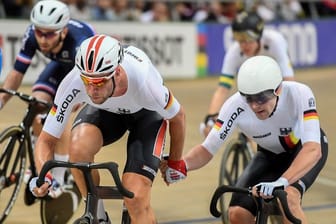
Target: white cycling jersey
145, 91
272, 44
295, 118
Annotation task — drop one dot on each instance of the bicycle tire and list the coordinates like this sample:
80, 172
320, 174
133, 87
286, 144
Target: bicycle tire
234, 160
12, 167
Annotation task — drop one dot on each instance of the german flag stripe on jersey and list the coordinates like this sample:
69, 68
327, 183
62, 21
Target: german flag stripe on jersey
170, 101
289, 141
53, 110
310, 114
218, 124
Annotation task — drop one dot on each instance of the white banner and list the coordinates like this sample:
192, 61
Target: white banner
171, 46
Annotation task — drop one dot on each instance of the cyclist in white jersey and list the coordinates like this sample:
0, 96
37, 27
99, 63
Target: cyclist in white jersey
123, 92
250, 39
281, 117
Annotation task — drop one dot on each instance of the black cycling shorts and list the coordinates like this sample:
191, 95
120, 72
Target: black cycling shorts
266, 166
146, 136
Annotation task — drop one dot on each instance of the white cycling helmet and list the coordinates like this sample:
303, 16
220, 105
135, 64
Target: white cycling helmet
50, 14
258, 74
98, 55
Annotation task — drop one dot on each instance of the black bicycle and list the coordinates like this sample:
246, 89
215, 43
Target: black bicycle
16, 147
94, 193
236, 156
265, 208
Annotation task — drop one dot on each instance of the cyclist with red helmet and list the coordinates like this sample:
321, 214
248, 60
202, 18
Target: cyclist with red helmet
123, 92
250, 39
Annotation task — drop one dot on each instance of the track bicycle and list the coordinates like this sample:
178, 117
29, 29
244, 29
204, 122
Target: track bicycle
94, 193
16, 148
235, 158
16, 154
265, 208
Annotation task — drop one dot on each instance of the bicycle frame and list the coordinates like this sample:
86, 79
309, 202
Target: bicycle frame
261, 217
18, 146
94, 193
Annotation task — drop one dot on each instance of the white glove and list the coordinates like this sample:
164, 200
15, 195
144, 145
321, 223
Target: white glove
1, 104
55, 189
33, 184
267, 188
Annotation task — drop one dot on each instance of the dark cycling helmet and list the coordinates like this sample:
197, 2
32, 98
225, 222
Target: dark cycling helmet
50, 14
248, 23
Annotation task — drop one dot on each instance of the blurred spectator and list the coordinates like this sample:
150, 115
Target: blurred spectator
183, 11
17, 8
287, 10
218, 11
79, 9
136, 10
121, 10
159, 12
102, 10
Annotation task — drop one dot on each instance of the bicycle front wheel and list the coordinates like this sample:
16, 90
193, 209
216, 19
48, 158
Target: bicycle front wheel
12, 167
234, 160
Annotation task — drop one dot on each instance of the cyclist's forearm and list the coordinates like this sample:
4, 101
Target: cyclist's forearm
44, 150
218, 99
13, 82
307, 158
177, 135
197, 157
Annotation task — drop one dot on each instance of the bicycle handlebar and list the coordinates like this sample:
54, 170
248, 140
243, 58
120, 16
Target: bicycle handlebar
278, 193
25, 97
86, 167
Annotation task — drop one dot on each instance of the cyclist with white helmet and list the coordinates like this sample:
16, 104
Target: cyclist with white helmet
281, 117
53, 33
123, 92
250, 39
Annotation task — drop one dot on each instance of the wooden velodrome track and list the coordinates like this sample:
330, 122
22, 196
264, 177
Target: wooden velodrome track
188, 201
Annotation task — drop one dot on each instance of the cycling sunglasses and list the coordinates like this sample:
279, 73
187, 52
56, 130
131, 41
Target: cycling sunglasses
96, 81
243, 37
260, 98
47, 35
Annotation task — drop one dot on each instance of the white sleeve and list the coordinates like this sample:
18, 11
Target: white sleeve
68, 94
158, 97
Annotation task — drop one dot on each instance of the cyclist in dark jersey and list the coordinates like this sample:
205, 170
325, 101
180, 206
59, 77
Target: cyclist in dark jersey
57, 37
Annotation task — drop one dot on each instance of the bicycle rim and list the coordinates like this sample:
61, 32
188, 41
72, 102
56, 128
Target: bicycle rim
12, 167
234, 160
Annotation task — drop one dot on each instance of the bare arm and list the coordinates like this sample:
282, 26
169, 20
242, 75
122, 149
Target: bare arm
197, 157
13, 82
44, 150
218, 99
177, 135
304, 161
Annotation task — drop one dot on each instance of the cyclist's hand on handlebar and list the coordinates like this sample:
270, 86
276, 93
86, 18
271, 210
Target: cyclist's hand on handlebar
209, 122
266, 189
42, 190
176, 171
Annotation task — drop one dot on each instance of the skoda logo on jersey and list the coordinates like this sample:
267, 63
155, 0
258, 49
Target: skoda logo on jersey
65, 104
229, 123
